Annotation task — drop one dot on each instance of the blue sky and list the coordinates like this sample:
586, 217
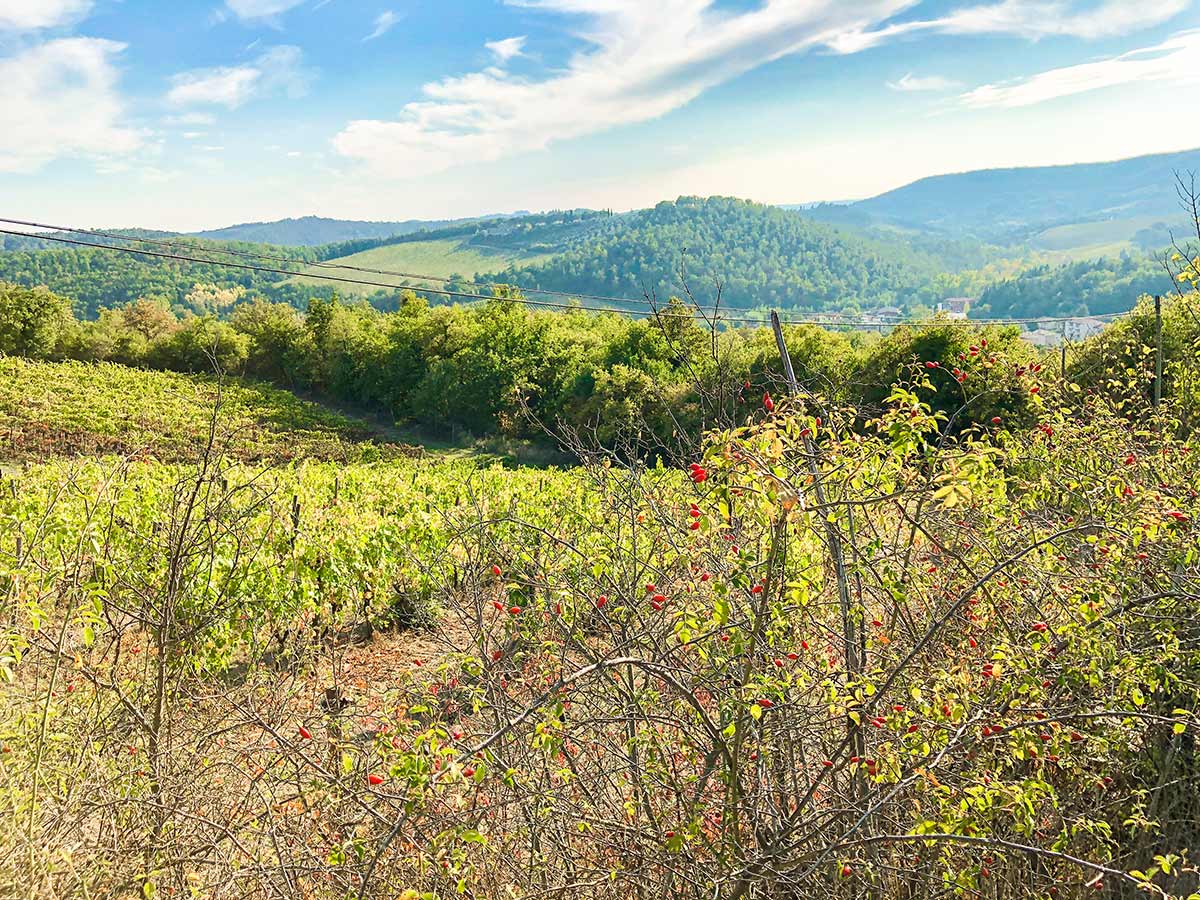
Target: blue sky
186, 115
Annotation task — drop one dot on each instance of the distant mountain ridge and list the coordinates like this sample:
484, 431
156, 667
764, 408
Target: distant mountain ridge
314, 231
1016, 204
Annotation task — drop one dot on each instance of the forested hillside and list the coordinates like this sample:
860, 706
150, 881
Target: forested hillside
761, 255
1090, 287
95, 280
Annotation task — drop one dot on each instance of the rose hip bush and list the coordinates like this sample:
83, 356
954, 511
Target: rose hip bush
839, 654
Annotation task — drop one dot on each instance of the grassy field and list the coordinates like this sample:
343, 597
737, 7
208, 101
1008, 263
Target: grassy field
440, 259
1087, 240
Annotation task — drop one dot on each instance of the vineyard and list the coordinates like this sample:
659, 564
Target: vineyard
76, 409
838, 652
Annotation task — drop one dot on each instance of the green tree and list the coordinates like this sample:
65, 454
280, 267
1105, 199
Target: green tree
32, 320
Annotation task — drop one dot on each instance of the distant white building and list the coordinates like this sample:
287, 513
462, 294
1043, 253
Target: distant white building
955, 307
1076, 330
1043, 337
887, 314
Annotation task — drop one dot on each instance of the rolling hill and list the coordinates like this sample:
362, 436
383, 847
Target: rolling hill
760, 255
951, 235
1033, 204
439, 258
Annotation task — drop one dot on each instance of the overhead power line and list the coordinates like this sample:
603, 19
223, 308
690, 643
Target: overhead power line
651, 307
477, 298
324, 264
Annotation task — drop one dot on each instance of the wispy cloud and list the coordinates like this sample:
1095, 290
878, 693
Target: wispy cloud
384, 23
911, 83
30, 15
279, 70
507, 49
643, 60
1174, 60
260, 9
1031, 19
60, 99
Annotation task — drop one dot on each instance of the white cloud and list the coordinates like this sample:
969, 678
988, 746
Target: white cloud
224, 87
60, 99
193, 135
260, 9
911, 83
28, 15
1028, 19
279, 70
643, 60
507, 49
1173, 61
384, 23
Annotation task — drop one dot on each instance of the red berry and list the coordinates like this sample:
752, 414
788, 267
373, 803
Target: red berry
765, 703
847, 871
514, 610
375, 779
496, 570
305, 733
468, 772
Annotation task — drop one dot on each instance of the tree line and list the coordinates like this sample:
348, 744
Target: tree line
498, 368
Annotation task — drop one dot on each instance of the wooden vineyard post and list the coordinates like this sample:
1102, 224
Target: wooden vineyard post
852, 636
